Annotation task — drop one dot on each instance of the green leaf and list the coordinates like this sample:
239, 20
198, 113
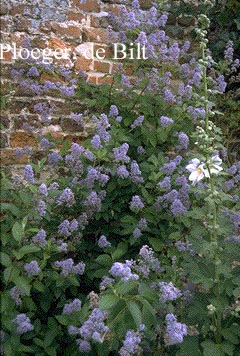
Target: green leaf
189, 347
152, 138
17, 231
104, 260
129, 219
39, 286
38, 342
229, 335
26, 250
11, 207
125, 287
100, 272
147, 197
23, 348
211, 349
156, 244
107, 301
52, 332
145, 292
120, 251
23, 284
148, 306
63, 320
135, 311
5, 259
51, 351
228, 348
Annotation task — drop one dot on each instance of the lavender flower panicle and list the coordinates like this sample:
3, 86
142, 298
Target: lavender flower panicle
24, 324
32, 268
72, 307
168, 292
131, 344
122, 271
68, 267
122, 172
136, 203
120, 153
137, 122
92, 329
175, 331
103, 242
166, 121
66, 198
41, 208
16, 294
40, 238
28, 174
43, 190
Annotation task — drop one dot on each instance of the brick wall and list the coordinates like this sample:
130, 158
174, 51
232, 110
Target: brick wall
71, 25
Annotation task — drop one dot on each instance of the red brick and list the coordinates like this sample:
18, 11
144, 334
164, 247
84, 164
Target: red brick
106, 79
16, 106
61, 137
69, 31
6, 24
103, 67
17, 10
113, 8
83, 64
89, 6
74, 16
9, 157
99, 21
56, 43
92, 79
46, 76
22, 139
20, 120
7, 57
17, 38
108, 49
45, 26
22, 24
70, 125
96, 35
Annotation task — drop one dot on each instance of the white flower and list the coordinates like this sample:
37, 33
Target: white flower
214, 164
197, 170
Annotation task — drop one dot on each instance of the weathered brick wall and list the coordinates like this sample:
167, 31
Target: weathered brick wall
71, 25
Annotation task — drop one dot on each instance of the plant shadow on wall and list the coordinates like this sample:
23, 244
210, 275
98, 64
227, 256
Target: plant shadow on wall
224, 44
130, 246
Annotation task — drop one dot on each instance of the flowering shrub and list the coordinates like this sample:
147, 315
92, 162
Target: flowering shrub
131, 244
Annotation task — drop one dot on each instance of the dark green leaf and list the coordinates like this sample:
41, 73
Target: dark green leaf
5, 259
107, 301
135, 311
17, 231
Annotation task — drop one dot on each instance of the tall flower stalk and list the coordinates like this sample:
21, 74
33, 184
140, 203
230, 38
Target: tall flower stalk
208, 136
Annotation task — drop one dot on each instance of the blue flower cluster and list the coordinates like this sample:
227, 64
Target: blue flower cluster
93, 329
